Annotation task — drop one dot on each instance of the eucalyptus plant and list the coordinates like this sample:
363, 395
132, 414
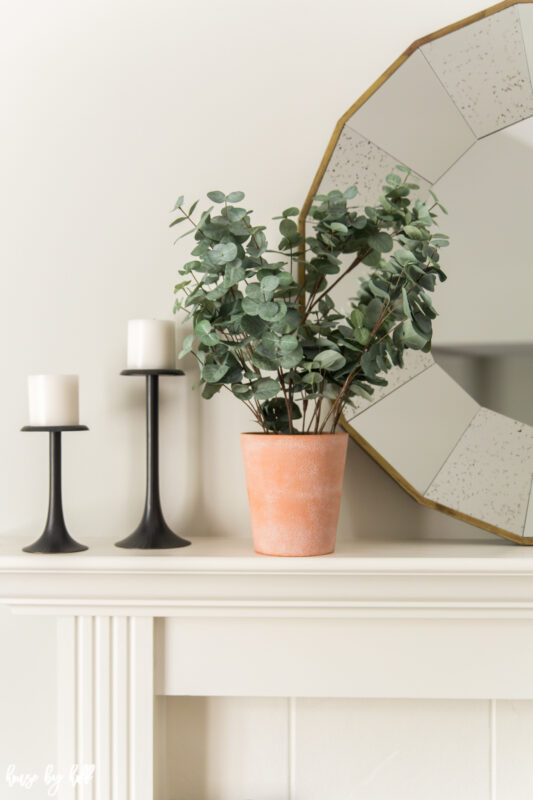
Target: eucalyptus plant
282, 347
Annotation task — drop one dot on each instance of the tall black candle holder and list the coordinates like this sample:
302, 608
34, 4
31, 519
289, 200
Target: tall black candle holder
152, 533
55, 537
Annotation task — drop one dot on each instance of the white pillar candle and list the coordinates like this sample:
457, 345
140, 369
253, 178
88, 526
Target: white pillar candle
151, 344
53, 400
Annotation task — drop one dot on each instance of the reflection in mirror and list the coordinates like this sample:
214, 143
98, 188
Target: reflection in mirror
486, 301
501, 381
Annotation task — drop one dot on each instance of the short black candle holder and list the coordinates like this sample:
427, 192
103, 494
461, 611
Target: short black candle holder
55, 537
152, 533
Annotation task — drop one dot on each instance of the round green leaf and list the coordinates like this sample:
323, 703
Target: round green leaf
223, 253
265, 388
288, 343
241, 391
270, 283
292, 358
329, 359
287, 227
210, 339
216, 197
267, 311
382, 242
187, 345
236, 214
202, 327
339, 227
350, 193
250, 307
253, 291
415, 233
213, 373
235, 197
253, 325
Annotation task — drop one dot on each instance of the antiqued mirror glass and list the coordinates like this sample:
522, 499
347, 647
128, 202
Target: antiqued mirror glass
457, 109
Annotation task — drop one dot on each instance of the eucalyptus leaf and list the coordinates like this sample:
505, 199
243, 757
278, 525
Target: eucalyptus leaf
329, 359
216, 197
213, 373
234, 197
187, 345
269, 283
265, 389
381, 241
269, 311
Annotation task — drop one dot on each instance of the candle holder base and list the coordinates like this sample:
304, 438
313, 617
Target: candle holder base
55, 541
153, 535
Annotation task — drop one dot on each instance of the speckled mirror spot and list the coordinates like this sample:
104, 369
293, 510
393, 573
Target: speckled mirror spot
356, 160
484, 68
488, 474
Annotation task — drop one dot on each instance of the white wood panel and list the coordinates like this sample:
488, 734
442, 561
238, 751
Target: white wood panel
380, 750
413, 118
120, 724
102, 711
85, 703
141, 705
66, 701
416, 427
394, 657
513, 748
227, 748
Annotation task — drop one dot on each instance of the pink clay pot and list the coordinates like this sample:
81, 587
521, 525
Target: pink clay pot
294, 489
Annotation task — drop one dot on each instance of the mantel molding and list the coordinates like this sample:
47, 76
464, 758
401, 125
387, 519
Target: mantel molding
373, 620
219, 577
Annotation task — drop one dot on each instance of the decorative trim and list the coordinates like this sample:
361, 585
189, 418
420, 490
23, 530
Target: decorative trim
106, 705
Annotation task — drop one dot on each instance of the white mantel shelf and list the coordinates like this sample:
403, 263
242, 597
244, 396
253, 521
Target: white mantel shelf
403, 619
225, 576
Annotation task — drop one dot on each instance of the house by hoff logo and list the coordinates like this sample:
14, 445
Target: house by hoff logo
51, 779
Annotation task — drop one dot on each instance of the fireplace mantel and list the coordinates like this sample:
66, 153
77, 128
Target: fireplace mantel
225, 577
402, 619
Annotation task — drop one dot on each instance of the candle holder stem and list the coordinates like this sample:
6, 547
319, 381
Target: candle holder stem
55, 537
152, 533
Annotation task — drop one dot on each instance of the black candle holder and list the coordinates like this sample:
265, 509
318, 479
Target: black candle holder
152, 533
55, 537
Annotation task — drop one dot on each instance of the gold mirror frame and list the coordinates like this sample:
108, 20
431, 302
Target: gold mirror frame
526, 535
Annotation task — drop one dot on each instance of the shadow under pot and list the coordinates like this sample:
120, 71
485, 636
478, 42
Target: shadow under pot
294, 489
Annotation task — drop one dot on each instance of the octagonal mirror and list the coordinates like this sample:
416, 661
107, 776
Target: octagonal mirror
457, 109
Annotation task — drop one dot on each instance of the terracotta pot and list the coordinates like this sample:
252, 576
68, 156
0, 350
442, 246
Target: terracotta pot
294, 488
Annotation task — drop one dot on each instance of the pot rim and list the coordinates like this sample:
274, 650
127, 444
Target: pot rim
293, 435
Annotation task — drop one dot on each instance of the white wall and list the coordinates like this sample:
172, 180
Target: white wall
111, 109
